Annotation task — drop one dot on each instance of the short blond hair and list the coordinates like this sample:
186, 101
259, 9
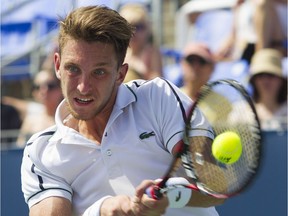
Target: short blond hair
97, 24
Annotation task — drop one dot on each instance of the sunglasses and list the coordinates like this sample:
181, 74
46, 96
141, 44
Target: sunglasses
139, 26
49, 86
194, 59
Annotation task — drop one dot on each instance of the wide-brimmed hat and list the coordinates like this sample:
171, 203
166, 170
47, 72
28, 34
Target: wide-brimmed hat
198, 49
268, 61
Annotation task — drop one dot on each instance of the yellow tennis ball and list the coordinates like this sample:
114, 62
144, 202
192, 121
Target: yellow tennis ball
227, 147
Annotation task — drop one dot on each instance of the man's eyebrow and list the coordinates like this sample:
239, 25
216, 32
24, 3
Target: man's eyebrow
102, 64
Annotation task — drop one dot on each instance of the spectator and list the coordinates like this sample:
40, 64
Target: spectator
47, 92
269, 88
197, 66
270, 20
144, 57
257, 24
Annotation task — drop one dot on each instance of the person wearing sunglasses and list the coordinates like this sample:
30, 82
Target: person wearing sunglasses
47, 93
197, 65
143, 56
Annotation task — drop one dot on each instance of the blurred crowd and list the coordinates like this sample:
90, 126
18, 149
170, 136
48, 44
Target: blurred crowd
258, 37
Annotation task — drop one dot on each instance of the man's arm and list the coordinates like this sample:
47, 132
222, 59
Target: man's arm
198, 199
52, 206
140, 204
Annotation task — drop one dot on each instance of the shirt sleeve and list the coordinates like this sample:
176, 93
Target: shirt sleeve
38, 183
172, 107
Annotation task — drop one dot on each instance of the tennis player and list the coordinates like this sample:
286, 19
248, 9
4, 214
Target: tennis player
111, 140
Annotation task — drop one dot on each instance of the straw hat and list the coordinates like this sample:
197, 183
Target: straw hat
268, 61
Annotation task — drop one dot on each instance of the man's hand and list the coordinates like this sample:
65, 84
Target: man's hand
139, 205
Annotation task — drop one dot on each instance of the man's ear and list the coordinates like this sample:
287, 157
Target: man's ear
57, 65
122, 71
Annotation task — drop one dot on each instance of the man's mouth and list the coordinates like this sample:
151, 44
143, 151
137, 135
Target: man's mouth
83, 100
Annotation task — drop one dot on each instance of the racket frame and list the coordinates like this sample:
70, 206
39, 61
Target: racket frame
182, 155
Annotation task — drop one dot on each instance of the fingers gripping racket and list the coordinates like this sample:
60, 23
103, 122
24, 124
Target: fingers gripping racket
228, 108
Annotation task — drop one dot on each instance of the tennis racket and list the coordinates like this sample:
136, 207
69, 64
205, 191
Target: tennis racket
227, 107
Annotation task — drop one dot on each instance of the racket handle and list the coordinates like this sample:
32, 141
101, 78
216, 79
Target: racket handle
154, 192
178, 196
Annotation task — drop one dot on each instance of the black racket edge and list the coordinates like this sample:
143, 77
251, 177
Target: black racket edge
237, 85
241, 88
184, 147
156, 190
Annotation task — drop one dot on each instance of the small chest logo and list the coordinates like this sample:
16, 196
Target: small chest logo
146, 135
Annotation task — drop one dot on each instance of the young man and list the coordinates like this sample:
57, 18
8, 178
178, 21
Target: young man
96, 161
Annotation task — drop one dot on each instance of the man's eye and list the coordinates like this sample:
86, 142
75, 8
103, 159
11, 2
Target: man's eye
72, 69
99, 72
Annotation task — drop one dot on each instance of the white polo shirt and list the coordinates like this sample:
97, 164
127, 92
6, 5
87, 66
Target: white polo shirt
145, 124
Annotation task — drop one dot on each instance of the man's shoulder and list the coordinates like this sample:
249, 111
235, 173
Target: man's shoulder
42, 136
37, 144
155, 84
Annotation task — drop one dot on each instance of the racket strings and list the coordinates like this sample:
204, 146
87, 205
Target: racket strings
226, 109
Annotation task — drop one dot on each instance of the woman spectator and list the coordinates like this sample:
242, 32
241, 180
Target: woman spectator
269, 88
144, 57
47, 92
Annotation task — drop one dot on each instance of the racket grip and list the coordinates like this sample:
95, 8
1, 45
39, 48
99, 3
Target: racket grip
177, 195
154, 192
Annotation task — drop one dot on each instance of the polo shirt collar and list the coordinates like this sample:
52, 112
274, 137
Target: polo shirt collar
125, 96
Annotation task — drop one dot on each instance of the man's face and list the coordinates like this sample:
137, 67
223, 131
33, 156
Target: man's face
89, 77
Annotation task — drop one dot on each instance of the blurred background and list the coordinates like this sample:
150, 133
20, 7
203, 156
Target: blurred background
29, 32
29, 38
